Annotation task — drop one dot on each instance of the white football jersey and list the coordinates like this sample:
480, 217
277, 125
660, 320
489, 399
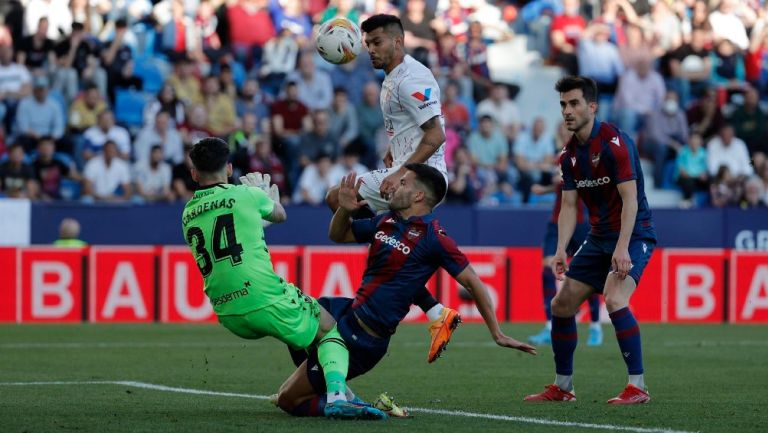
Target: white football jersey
409, 97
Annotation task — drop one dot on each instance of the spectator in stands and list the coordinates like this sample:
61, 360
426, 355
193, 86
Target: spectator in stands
178, 36
534, 156
704, 115
349, 162
314, 85
727, 25
153, 177
318, 140
764, 177
160, 132
51, 169
728, 150
222, 119
343, 8
166, 101
209, 47
417, 24
125, 80
78, 60
15, 84
489, 150
196, 126
36, 50
185, 83
749, 122
464, 185
17, 178
293, 17
692, 173
666, 132
641, 91
565, 32
453, 19
250, 28
107, 177
724, 190
227, 81
353, 76
637, 47
58, 13
455, 112
727, 66
183, 184
754, 194
599, 58
502, 194
253, 100
689, 67
38, 115
315, 181
118, 51
247, 135
343, 123
666, 27
106, 130
289, 119
502, 110
371, 123
477, 61
69, 234
84, 112
261, 158
280, 55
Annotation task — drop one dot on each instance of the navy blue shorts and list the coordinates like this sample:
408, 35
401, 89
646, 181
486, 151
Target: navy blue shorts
365, 350
592, 262
550, 239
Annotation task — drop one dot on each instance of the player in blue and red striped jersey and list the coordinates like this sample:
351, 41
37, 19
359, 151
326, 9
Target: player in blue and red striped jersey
600, 165
549, 248
407, 246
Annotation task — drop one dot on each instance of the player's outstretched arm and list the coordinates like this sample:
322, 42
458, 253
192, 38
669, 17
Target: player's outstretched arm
340, 230
469, 279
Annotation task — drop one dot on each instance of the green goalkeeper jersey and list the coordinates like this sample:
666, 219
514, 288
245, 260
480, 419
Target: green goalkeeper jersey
222, 226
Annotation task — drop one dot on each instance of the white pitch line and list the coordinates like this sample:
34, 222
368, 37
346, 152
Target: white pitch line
458, 413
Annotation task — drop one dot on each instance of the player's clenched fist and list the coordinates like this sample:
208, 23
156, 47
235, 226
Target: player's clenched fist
559, 264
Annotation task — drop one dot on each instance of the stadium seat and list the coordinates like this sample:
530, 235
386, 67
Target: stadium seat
150, 73
129, 107
670, 169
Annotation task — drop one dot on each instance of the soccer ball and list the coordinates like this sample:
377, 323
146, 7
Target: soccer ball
339, 40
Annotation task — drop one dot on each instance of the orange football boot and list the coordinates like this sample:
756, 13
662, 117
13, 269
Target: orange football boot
441, 331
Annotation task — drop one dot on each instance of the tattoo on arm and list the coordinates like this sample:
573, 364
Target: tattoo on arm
429, 127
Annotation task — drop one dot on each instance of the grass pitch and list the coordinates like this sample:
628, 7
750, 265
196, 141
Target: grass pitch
102, 378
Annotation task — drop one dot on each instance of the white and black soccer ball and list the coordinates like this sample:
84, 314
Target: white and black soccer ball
339, 41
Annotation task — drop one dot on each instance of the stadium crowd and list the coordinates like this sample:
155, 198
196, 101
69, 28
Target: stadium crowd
100, 100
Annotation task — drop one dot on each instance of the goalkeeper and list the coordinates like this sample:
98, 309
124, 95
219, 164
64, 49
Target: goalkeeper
222, 225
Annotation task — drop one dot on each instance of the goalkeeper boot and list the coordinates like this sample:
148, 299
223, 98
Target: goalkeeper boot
387, 404
631, 395
441, 331
342, 409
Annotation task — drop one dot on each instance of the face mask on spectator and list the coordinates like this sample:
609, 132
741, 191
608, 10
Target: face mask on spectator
670, 106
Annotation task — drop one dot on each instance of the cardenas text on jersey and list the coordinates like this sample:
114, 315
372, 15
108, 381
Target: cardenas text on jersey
202, 208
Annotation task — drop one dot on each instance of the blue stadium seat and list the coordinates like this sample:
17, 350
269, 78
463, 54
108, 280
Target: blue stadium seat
670, 170
150, 73
129, 107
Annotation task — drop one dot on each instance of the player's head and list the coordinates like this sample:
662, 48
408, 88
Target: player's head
69, 229
384, 37
420, 186
210, 161
578, 101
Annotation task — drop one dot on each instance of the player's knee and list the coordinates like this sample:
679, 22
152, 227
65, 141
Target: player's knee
332, 198
285, 401
561, 307
615, 302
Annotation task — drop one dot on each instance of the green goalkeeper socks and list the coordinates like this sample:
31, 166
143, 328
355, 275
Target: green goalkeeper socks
334, 359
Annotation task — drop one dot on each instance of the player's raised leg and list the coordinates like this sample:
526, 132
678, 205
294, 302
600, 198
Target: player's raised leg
595, 329
617, 294
564, 340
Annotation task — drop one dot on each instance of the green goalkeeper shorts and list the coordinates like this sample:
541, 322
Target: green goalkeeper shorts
294, 320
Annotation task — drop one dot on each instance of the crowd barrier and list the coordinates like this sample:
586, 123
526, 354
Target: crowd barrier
162, 283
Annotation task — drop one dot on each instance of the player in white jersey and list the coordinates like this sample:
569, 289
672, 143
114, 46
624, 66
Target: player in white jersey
410, 102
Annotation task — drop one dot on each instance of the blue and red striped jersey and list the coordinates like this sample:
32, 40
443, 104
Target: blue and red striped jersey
403, 255
595, 168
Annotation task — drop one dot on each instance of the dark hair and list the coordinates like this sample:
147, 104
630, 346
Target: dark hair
390, 23
46, 139
432, 179
338, 90
486, 117
587, 86
209, 155
155, 147
78, 26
